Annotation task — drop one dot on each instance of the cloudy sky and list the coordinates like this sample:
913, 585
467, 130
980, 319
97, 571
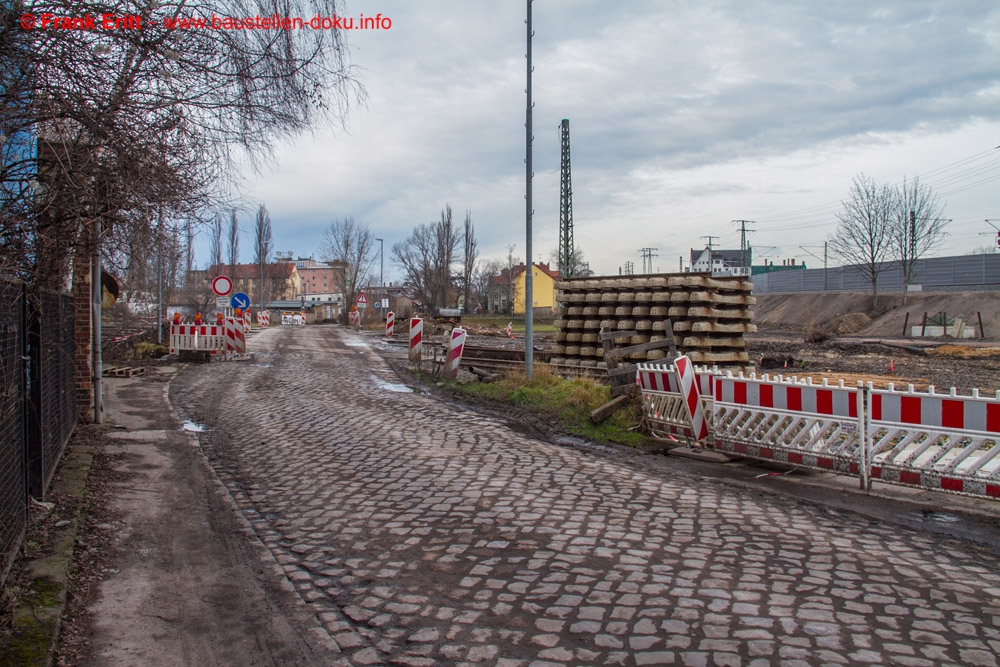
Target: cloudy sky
684, 116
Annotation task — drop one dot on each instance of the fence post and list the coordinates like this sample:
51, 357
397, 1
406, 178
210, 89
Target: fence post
33, 446
864, 415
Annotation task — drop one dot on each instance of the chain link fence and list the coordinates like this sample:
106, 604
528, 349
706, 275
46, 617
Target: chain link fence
13, 480
37, 402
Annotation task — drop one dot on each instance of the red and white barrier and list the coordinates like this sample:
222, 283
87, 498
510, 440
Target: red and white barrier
247, 321
354, 319
416, 338
204, 337
791, 421
263, 318
389, 323
236, 341
455, 348
665, 408
944, 442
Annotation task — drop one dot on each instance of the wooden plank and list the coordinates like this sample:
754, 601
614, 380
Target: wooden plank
620, 352
621, 372
600, 414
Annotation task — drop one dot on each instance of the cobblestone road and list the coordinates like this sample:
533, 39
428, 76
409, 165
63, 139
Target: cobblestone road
421, 534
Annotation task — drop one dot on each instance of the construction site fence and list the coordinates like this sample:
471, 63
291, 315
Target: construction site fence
962, 272
925, 439
37, 401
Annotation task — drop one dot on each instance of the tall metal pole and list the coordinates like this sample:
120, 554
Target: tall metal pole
95, 318
528, 275
381, 274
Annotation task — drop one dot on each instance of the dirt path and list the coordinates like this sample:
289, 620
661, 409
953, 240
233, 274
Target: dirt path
183, 587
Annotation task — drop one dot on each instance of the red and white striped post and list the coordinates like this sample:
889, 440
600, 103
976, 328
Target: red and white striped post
389, 323
416, 338
692, 399
455, 347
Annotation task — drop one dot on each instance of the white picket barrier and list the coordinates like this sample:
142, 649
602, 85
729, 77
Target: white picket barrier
944, 442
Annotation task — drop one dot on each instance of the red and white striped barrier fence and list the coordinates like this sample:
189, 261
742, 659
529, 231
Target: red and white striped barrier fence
665, 408
416, 338
791, 421
204, 337
456, 345
247, 321
390, 323
236, 341
944, 442
263, 318
354, 319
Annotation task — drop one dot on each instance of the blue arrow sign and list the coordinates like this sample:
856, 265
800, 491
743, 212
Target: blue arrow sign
239, 300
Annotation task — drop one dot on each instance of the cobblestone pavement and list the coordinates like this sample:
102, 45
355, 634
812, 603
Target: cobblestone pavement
422, 534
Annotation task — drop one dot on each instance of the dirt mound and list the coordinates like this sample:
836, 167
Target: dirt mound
826, 311
850, 323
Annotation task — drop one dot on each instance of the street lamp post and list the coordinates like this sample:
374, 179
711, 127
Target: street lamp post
381, 274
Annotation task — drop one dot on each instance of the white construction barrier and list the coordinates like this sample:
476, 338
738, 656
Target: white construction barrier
790, 421
943, 442
936, 441
204, 337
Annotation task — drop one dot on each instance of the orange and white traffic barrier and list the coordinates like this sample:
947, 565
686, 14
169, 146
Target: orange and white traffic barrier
389, 323
455, 348
416, 338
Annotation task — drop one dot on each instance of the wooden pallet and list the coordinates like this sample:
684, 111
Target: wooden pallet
123, 372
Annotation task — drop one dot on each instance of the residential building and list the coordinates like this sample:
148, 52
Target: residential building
720, 262
281, 280
543, 289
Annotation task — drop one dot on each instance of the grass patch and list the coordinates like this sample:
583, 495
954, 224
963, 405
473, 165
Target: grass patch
567, 401
150, 351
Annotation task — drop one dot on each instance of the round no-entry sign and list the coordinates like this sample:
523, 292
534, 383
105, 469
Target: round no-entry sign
222, 285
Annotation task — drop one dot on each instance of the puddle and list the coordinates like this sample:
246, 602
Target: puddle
355, 343
191, 427
389, 386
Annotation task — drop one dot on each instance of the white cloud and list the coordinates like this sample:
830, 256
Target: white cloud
683, 117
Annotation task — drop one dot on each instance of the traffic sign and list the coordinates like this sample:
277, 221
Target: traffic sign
362, 299
239, 300
222, 302
222, 285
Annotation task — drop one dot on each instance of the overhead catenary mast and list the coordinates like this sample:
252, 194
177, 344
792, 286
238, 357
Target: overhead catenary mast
566, 250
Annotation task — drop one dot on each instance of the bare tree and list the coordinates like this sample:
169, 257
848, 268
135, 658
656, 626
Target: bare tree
353, 244
864, 236
263, 245
577, 266
471, 252
485, 272
918, 226
215, 247
128, 119
233, 243
427, 257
